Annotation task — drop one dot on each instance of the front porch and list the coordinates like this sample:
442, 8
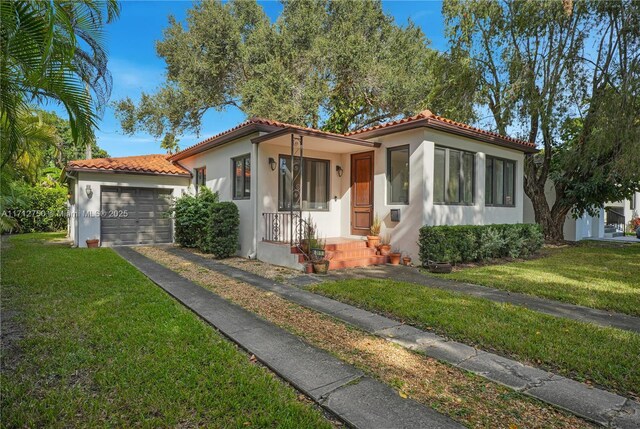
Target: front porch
309, 185
342, 252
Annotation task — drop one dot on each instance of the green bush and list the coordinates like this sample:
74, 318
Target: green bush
41, 208
468, 243
192, 214
222, 232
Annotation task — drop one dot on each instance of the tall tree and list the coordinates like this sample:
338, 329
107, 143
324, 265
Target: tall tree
564, 75
337, 65
52, 51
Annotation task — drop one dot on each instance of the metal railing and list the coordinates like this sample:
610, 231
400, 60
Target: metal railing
614, 219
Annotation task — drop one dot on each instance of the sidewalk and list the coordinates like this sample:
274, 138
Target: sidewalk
600, 406
358, 400
543, 305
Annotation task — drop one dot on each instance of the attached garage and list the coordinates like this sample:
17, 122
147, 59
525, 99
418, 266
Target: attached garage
124, 201
135, 215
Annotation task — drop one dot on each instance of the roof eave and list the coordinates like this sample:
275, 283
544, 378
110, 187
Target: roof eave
329, 136
123, 171
452, 129
243, 131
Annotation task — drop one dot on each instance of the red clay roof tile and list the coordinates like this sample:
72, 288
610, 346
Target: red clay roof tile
153, 164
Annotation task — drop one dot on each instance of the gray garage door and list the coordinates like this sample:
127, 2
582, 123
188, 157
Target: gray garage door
135, 216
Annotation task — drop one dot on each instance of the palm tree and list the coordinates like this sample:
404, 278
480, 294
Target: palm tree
52, 51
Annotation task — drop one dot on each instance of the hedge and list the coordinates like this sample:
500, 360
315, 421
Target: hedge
222, 232
202, 221
469, 243
192, 215
40, 208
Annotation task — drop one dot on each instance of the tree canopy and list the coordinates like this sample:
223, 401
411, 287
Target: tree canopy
564, 75
339, 66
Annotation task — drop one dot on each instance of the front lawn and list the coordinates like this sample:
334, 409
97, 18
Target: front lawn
88, 341
605, 356
597, 275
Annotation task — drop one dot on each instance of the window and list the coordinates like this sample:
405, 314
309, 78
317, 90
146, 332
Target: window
241, 177
315, 184
454, 176
500, 182
200, 175
633, 202
398, 175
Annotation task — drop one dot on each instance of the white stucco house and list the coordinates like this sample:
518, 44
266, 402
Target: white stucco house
420, 170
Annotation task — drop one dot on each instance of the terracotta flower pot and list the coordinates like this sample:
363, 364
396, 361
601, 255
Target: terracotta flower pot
308, 268
385, 249
373, 241
321, 267
394, 258
93, 243
406, 261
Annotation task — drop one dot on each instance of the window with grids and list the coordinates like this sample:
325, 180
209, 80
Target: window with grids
241, 177
500, 182
454, 176
315, 184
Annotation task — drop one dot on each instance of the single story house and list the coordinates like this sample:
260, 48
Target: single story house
419, 170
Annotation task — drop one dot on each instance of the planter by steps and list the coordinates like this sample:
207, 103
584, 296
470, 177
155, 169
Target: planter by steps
394, 258
321, 267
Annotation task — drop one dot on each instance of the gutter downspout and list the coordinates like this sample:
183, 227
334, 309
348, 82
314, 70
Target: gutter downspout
256, 193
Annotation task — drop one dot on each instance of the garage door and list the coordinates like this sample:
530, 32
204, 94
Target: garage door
135, 215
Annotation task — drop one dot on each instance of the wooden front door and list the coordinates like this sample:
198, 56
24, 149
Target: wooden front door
361, 193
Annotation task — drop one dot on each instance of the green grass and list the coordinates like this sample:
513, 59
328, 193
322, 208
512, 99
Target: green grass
606, 356
594, 275
102, 346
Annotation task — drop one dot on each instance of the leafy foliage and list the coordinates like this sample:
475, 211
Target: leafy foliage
40, 208
52, 51
192, 214
337, 65
467, 243
565, 75
222, 231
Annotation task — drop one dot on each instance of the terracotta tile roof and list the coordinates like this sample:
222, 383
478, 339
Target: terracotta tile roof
249, 122
434, 119
151, 164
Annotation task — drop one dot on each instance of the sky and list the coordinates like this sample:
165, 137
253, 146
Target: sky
135, 66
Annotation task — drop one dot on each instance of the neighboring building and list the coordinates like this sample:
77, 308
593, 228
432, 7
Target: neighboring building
421, 170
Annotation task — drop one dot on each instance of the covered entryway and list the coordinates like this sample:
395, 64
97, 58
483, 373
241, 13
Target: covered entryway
361, 193
135, 215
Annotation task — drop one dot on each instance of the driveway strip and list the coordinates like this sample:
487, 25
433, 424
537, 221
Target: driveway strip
359, 401
597, 405
542, 305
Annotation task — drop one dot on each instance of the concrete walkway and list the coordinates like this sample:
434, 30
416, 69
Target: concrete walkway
358, 400
547, 306
597, 405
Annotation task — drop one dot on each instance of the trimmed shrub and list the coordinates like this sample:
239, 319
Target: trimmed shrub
192, 214
40, 208
468, 243
222, 232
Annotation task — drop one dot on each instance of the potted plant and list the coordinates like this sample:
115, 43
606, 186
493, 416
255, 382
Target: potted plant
374, 239
93, 243
384, 247
320, 258
394, 257
406, 261
308, 268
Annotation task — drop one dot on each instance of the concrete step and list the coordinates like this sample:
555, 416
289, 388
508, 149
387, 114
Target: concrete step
338, 264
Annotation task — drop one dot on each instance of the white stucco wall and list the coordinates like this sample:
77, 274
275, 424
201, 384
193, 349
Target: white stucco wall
421, 209
87, 221
220, 180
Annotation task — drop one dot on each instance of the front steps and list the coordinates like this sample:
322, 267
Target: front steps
347, 253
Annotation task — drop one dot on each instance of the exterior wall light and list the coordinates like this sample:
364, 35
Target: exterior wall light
272, 164
89, 191
339, 170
